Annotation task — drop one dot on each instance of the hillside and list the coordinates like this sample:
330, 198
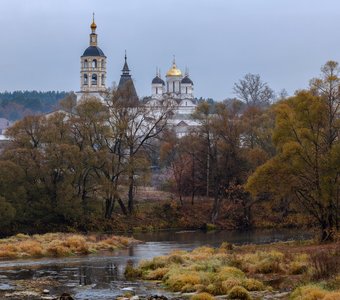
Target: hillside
15, 105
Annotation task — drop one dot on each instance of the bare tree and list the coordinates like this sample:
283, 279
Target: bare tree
133, 126
252, 90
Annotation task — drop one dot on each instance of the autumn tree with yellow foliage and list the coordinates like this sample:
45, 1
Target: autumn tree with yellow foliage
307, 163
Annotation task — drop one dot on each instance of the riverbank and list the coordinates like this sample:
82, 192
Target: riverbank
287, 270
101, 275
163, 213
59, 245
157, 210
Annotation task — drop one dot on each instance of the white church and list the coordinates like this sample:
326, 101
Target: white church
176, 90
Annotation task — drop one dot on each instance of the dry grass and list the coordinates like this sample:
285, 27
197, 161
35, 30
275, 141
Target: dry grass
253, 285
178, 281
58, 244
228, 284
130, 272
202, 296
332, 296
314, 292
239, 292
308, 292
264, 262
31, 247
325, 264
157, 274
226, 273
299, 265
237, 271
155, 263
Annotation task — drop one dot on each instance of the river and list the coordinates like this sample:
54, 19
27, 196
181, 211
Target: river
101, 276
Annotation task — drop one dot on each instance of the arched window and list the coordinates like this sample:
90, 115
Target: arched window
103, 64
85, 79
94, 79
186, 90
173, 87
103, 78
85, 63
94, 63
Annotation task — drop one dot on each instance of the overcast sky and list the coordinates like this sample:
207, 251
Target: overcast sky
285, 41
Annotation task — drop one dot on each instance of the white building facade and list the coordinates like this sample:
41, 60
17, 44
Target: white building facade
176, 91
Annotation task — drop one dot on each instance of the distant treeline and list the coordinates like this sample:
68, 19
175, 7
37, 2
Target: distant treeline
16, 105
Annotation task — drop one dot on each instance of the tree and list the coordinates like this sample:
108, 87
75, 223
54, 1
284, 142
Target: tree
177, 155
253, 91
132, 129
307, 162
220, 150
7, 212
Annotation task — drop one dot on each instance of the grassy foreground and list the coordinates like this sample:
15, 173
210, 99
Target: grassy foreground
59, 244
307, 271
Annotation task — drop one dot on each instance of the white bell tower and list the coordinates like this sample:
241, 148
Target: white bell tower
93, 66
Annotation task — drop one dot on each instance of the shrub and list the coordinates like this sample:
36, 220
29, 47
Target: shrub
31, 248
296, 268
224, 258
176, 281
8, 254
324, 265
130, 272
9, 248
56, 244
153, 264
203, 250
175, 259
210, 265
308, 292
157, 274
228, 284
200, 288
47, 237
56, 248
334, 283
253, 285
202, 296
239, 292
22, 236
188, 288
229, 272
268, 262
216, 288
237, 262
113, 242
299, 265
210, 227
332, 296
77, 243
226, 246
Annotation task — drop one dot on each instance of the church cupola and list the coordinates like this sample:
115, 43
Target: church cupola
93, 66
173, 79
157, 85
93, 35
187, 86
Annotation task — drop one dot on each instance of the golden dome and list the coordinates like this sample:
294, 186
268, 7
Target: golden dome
93, 25
174, 71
